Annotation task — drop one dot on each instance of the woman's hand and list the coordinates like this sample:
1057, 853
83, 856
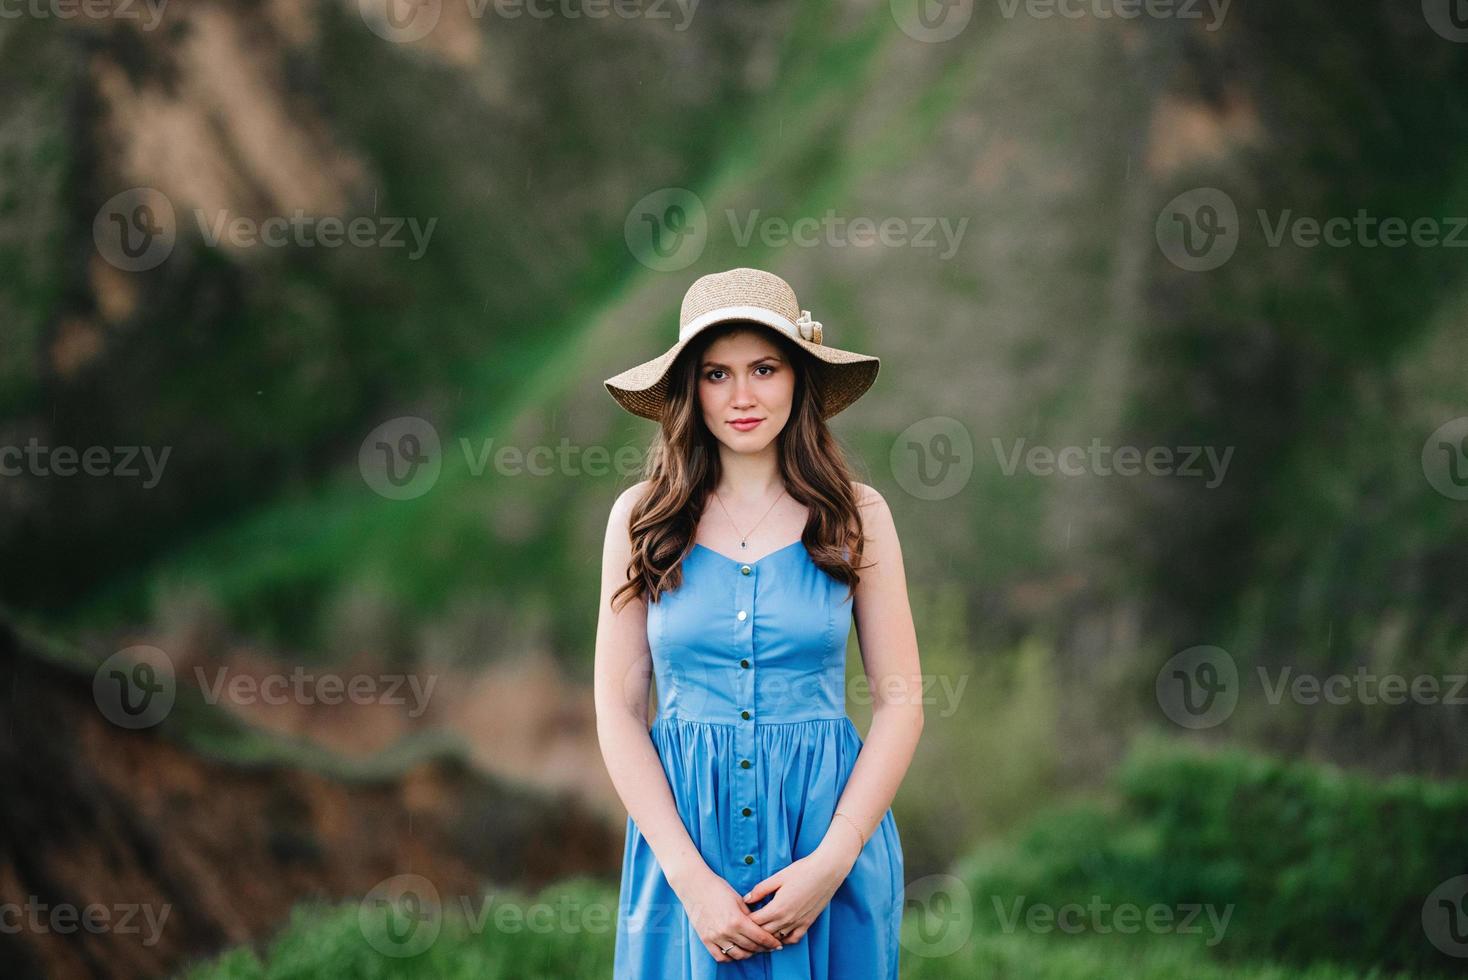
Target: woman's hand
802, 890
721, 917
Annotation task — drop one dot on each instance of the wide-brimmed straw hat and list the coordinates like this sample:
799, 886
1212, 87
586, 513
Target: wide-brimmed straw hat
759, 297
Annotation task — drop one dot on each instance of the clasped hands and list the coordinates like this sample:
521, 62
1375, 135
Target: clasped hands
802, 889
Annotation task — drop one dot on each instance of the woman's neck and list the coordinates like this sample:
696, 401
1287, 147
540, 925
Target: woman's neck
748, 477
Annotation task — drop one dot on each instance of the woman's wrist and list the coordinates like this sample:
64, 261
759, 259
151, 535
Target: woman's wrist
682, 873
843, 842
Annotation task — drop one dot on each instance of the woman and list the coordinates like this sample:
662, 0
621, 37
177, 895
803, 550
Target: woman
760, 839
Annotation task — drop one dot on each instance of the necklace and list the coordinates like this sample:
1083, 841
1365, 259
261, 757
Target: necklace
744, 538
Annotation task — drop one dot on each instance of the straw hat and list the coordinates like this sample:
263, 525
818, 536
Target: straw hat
750, 295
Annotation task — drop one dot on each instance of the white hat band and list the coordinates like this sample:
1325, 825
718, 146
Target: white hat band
804, 329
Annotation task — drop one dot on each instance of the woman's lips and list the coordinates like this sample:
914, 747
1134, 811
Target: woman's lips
745, 426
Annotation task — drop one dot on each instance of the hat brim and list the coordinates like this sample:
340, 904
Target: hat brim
843, 375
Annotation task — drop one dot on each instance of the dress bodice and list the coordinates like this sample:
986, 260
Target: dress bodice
751, 641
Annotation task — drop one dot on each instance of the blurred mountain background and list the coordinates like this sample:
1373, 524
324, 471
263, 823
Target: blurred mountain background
529, 155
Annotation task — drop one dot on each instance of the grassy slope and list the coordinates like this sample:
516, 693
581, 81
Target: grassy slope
323, 942
1269, 843
269, 570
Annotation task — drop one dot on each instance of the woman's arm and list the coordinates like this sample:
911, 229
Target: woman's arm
622, 676
889, 654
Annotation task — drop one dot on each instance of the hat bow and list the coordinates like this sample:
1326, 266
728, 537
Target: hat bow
809, 329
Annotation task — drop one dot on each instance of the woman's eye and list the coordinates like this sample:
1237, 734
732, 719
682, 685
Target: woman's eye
710, 376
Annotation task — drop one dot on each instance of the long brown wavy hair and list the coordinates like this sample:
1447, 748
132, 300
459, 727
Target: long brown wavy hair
683, 467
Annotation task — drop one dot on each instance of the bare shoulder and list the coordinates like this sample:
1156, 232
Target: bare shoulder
620, 518
877, 524
626, 500
872, 504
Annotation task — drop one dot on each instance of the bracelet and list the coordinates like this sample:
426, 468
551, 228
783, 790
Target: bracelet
860, 836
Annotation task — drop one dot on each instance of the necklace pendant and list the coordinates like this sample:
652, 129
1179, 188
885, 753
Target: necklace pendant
743, 544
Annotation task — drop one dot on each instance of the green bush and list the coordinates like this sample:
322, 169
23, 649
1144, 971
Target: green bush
1298, 864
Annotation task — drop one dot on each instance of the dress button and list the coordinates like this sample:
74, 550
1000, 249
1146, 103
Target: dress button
749, 859
743, 615
744, 569
744, 763
744, 715
747, 811
744, 663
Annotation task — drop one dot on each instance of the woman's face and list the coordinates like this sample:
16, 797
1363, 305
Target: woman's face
746, 376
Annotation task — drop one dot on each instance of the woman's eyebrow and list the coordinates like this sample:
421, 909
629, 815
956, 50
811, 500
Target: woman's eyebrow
757, 360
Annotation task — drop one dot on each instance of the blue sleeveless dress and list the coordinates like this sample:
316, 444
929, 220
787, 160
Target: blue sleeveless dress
752, 731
